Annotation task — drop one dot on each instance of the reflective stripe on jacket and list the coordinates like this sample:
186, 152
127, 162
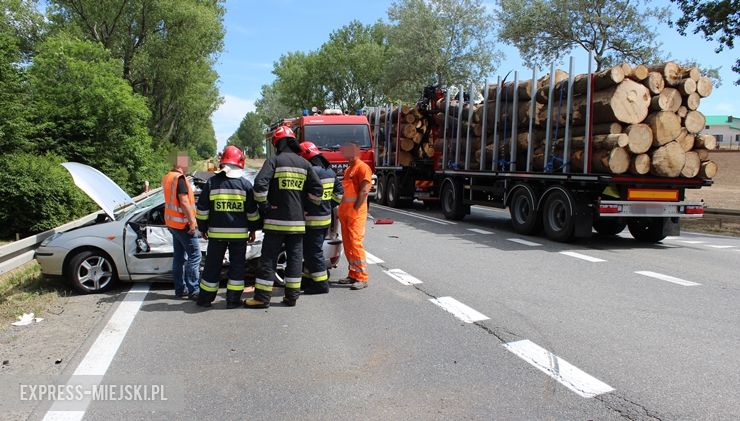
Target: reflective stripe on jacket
174, 215
319, 216
227, 209
283, 183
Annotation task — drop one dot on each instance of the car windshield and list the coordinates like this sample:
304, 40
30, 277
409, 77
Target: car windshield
152, 200
333, 136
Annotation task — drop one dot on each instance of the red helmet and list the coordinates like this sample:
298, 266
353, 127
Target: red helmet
309, 150
282, 132
232, 155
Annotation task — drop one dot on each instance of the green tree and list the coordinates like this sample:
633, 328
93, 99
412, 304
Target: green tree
438, 41
716, 20
544, 31
270, 107
168, 49
352, 63
250, 136
38, 194
20, 28
84, 111
299, 80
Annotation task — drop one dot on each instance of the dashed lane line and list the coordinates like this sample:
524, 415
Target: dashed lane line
692, 242
720, 247
480, 231
562, 371
582, 256
524, 242
459, 310
372, 259
416, 215
667, 278
402, 277
101, 353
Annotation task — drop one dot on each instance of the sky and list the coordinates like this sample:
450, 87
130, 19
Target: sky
259, 32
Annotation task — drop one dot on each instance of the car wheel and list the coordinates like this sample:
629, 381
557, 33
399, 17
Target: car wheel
282, 263
381, 196
91, 271
609, 227
647, 230
525, 219
452, 201
558, 217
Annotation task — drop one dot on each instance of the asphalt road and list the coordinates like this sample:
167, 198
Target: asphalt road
463, 320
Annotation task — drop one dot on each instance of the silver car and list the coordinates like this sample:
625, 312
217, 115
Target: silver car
130, 242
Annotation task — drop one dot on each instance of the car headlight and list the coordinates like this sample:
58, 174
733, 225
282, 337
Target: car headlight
51, 238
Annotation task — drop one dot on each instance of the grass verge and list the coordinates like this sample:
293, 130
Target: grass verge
25, 290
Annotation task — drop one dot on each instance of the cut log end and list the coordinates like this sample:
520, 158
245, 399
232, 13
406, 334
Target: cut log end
694, 122
708, 169
668, 160
640, 138
692, 165
666, 126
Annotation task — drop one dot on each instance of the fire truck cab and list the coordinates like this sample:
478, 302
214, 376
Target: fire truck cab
329, 131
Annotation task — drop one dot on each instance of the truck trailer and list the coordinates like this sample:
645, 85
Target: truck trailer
549, 193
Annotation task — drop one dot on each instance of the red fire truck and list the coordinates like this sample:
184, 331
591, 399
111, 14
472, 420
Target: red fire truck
329, 130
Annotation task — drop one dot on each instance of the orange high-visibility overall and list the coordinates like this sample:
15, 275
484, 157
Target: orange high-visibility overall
353, 220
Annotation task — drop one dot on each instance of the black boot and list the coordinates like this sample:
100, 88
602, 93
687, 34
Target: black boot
315, 288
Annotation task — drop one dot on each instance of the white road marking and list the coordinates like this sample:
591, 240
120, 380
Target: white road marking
667, 278
721, 247
372, 259
693, 242
525, 242
459, 310
582, 256
416, 215
562, 371
480, 231
402, 277
101, 353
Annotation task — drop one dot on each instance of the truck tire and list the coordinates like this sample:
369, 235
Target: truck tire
381, 194
451, 199
609, 226
558, 216
91, 271
647, 230
392, 192
525, 219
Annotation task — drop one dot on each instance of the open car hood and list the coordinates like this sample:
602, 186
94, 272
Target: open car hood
101, 189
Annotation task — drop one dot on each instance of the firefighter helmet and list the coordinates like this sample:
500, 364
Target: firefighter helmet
309, 150
232, 155
282, 132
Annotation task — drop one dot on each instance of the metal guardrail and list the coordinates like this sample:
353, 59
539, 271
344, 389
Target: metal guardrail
20, 252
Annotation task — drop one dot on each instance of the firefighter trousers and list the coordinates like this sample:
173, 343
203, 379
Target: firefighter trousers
314, 265
212, 270
272, 246
353, 234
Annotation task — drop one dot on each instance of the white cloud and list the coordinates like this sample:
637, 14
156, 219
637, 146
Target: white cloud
724, 108
228, 116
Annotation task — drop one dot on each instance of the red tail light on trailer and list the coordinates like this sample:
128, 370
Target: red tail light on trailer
603, 209
694, 210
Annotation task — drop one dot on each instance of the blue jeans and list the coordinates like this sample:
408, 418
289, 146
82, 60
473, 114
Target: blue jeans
185, 262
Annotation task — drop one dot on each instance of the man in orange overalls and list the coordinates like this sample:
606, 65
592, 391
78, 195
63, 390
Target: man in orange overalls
353, 214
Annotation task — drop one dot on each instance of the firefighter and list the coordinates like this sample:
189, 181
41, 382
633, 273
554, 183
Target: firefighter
227, 216
318, 221
179, 216
353, 214
279, 189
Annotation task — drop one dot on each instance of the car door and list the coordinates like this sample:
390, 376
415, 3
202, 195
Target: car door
148, 245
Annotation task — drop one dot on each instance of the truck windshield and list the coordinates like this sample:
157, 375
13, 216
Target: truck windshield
333, 136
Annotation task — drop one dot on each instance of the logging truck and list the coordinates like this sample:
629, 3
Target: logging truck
328, 131
565, 153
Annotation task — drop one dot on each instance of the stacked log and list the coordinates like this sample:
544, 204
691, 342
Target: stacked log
409, 135
644, 121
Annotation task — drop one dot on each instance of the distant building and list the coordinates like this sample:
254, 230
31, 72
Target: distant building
726, 129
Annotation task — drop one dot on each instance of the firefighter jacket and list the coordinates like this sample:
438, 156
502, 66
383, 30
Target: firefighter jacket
280, 188
319, 216
226, 208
